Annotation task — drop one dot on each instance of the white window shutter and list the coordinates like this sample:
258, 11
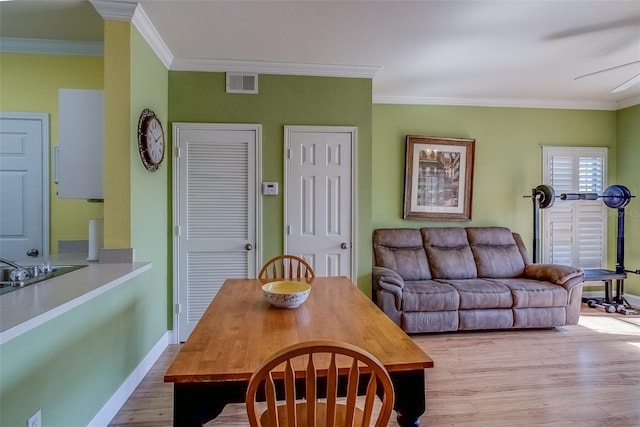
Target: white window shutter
575, 232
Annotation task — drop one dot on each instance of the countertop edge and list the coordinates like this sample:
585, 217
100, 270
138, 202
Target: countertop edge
34, 322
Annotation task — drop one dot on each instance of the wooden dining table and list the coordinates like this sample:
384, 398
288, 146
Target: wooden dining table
240, 330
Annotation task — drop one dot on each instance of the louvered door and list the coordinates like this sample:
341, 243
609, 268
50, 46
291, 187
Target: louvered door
215, 207
575, 232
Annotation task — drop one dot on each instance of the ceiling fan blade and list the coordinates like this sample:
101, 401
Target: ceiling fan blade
626, 85
633, 21
607, 69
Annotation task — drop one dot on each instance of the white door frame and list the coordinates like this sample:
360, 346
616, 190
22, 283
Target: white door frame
46, 184
257, 128
353, 130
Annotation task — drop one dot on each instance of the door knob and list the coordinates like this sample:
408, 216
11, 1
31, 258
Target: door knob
248, 246
344, 245
33, 252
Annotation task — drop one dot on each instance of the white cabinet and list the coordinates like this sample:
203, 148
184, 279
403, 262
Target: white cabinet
81, 134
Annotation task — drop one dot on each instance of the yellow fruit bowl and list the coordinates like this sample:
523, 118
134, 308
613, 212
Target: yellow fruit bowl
286, 293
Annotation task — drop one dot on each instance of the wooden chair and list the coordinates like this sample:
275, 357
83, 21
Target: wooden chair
320, 359
286, 267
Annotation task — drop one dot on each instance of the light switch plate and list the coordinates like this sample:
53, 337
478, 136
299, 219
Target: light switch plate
269, 188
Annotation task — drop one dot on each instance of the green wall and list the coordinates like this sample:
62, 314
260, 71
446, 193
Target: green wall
628, 174
508, 156
71, 366
286, 100
150, 192
30, 83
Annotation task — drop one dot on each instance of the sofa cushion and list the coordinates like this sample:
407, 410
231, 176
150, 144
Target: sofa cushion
401, 250
429, 321
449, 253
429, 295
497, 318
495, 251
481, 293
541, 317
535, 293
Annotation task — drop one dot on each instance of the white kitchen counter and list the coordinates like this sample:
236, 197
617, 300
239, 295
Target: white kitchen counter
27, 308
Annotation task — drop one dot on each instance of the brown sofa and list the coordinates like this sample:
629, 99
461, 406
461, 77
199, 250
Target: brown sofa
454, 278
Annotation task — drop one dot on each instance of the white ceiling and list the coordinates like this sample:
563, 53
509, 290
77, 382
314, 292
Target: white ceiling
464, 52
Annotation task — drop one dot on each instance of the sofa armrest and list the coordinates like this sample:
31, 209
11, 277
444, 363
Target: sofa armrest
563, 275
386, 280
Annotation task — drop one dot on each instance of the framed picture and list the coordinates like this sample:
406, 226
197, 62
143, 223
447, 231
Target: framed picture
438, 178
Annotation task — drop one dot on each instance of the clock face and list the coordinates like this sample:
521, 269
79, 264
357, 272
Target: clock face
150, 140
155, 141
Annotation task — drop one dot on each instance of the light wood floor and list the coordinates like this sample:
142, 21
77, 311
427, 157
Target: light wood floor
584, 375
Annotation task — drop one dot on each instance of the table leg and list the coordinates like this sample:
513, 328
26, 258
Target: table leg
410, 396
620, 291
195, 404
607, 291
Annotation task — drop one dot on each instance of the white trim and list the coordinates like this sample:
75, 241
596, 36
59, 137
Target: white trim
175, 185
148, 31
115, 10
629, 103
354, 205
270, 67
126, 389
50, 47
353, 130
501, 102
46, 182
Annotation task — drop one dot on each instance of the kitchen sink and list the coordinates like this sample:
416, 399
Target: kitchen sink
9, 285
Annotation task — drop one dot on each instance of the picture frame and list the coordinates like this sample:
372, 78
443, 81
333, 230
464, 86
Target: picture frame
438, 178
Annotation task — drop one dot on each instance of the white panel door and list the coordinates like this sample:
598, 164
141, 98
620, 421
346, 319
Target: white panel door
319, 193
24, 185
216, 206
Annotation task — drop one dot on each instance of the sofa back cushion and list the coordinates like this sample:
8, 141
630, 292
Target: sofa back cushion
449, 253
495, 251
401, 250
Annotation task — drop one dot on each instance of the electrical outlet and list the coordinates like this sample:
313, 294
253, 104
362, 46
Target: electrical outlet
35, 420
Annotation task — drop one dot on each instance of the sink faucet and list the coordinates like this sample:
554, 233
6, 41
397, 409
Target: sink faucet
11, 263
16, 266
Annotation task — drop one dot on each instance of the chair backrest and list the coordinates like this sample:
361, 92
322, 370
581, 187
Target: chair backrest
321, 361
286, 267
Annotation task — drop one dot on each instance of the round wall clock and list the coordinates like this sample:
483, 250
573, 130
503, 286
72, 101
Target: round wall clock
150, 140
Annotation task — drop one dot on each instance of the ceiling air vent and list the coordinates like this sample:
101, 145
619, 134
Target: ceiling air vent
242, 83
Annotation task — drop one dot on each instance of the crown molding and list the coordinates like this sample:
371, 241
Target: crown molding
115, 10
629, 102
269, 67
144, 25
51, 47
499, 102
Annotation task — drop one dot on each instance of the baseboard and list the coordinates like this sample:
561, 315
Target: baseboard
119, 398
633, 300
